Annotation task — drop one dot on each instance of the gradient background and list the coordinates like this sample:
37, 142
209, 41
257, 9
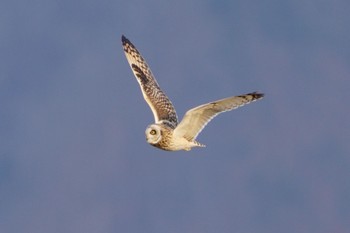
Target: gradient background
73, 155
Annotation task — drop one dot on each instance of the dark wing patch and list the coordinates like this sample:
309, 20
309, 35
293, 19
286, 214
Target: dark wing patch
139, 74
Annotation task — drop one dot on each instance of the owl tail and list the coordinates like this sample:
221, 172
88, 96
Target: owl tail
194, 144
198, 144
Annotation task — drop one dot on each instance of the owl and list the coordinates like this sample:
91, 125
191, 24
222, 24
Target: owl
167, 133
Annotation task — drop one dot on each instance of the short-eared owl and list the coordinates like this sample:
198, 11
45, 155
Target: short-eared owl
166, 133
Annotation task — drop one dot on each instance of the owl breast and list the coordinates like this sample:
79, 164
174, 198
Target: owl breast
167, 141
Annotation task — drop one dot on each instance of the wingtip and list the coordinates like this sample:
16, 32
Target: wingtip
257, 95
124, 38
126, 41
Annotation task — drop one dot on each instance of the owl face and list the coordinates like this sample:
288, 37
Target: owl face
153, 134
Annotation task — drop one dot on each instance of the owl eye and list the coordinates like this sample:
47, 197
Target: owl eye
152, 132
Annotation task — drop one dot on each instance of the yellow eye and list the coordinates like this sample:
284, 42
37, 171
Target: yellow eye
152, 132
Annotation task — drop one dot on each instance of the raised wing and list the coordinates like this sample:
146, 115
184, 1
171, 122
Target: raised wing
197, 118
161, 106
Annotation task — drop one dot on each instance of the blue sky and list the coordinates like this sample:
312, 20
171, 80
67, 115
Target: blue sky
73, 155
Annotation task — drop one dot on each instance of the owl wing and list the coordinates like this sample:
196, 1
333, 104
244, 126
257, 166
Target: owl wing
197, 118
161, 106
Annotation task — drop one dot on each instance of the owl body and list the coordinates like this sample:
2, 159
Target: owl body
167, 133
162, 136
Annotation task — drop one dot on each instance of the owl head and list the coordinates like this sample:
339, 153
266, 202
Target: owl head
153, 134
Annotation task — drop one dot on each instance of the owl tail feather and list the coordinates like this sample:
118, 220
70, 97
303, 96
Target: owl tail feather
198, 144
194, 144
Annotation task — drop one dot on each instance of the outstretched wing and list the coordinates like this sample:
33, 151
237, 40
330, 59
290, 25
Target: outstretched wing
161, 106
197, 118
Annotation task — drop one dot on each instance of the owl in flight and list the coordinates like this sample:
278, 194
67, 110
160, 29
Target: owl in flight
167, 133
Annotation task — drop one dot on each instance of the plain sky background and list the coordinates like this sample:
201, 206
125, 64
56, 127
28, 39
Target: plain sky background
73, 155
